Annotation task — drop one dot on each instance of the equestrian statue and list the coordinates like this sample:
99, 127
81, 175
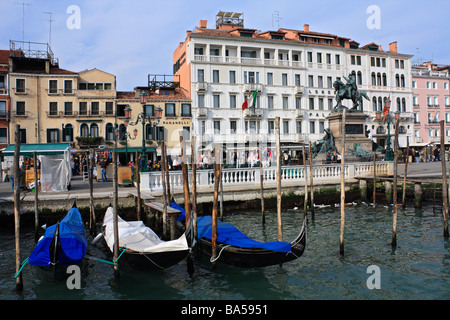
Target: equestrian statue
350, 91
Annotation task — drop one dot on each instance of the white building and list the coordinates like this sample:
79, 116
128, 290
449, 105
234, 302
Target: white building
293, 72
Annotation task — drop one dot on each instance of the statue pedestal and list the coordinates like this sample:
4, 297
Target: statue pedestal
355, 132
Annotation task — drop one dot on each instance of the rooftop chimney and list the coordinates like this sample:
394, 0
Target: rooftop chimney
203, 24
393, 47
306, 27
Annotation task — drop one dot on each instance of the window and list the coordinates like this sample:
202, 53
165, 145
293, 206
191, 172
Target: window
95, 108
2, 81
271, 126
109, 108
216, 126
3, 135
328, 58
353, 60
285, 102
185, 109
321, 126
68, 108
23, 136
338, 59
252, 127
232, 101
310, 55
84, 130
68, 86
297, 80
52, 86
319, 57
285, 126
109, 132
269, 78
372, 61
200, 75
82, 108
414, 84
320, 81
108, 86
216, 100
298, 126
311, 103
312, 127
253, 77
270, 102
320, 103
329, 82
2, 109
170, 109
94, 130
233, 126
201, 100
284, 79
68, 133
20, 108
53, 109
20, 86
216, 76
232, 76
52, 135
298, 102
311, 81
445, 85
374, 81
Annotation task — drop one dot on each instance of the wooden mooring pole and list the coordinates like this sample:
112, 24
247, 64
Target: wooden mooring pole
115, 215
261, 177
187, 205
217, 169
341, 237
305, 171
138, 185
91, 193
444, 182
394, 209
19, 283
406, 173
279, 159
374, 179
311, 184
164, 191
194, 185
36, 199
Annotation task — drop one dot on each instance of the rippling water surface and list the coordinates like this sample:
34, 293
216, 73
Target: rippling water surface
418, 269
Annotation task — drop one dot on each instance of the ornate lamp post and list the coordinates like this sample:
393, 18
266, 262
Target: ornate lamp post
389, 120
144, 119
125, 136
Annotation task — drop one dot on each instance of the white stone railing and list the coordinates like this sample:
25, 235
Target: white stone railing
251, 177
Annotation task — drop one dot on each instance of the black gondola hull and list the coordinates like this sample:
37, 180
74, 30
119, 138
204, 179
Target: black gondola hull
152, 261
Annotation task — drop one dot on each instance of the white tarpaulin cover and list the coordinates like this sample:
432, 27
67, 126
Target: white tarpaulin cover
55, 172
136, 236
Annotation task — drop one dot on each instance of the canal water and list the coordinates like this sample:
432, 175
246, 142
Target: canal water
418, 269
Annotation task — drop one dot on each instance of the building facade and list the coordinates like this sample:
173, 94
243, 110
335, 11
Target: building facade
293, 72
431, 102
4, 98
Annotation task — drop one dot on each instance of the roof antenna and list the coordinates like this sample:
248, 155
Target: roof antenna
50, 34
276, 19
23, 4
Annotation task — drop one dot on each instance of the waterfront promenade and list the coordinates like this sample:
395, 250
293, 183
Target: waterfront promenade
247, 188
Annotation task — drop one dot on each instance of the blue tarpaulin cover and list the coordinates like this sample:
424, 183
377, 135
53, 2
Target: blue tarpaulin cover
229, 234
72, 238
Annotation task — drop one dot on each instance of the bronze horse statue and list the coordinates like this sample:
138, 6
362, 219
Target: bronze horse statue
342, 93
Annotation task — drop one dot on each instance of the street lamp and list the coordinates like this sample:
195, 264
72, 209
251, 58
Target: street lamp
143, 118
389, 120
125, 136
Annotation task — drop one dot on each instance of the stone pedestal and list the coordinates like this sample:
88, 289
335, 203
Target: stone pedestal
355, 131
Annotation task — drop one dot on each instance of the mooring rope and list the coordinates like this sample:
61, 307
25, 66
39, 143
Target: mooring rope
218, 256
21, 267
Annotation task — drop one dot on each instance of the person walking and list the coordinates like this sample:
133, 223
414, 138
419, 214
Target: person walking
103, 166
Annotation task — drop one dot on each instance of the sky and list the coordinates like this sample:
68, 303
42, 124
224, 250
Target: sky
134, 38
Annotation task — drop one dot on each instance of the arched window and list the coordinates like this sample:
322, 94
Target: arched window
84, 130
374, 80
94, 130
380, 104
68, 133
384, 80
109, 132
402, 79
122, 132
397, 81
359, 78
403, 105
374, 104
398, 104
381, 130
379, 79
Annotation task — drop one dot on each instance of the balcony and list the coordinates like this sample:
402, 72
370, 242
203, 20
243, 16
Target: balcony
253, 112
202, 112
251, 87
299, 90
299, 113
202, 86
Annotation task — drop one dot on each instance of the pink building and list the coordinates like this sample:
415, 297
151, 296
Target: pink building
431, 103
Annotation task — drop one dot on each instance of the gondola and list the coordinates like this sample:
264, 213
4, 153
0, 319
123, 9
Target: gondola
140, 247
235, 248
63, 244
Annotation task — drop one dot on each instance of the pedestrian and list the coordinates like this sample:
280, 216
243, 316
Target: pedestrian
103, 166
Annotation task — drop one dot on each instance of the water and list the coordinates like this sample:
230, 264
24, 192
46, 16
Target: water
418, 269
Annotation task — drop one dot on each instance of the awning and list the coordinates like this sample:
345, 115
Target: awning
139, 149
420, 144
40, 149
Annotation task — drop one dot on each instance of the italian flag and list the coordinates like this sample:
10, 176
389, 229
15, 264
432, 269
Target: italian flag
253, 97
